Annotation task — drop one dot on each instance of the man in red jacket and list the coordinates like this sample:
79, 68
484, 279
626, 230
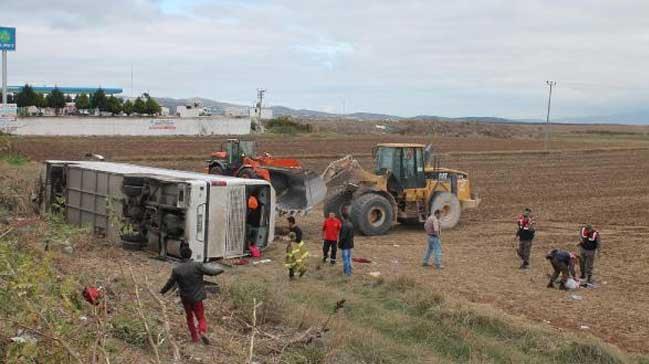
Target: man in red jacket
330, 230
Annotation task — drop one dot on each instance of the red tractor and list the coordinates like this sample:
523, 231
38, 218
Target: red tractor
297, 189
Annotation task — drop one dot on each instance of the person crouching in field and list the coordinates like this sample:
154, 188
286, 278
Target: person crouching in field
525, 234
563, 262
433, 231
296, 255
189, 278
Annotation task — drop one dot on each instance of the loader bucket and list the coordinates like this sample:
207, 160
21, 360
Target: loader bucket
297, 190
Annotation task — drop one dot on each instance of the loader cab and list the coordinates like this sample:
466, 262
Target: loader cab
235, 149
404, 161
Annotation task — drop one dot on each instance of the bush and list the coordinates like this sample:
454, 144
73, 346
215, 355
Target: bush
241, 294
286, 125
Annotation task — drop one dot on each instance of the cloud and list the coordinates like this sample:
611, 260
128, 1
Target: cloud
411, 57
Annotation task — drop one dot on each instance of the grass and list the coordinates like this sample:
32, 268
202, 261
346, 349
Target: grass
398, 322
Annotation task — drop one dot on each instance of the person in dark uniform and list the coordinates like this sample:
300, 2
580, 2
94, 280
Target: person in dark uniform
292, 226
589, 246
525, 234
563, 262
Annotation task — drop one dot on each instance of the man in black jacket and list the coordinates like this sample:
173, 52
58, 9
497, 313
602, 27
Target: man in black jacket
292, 227
563, 262
346, 243
189, 278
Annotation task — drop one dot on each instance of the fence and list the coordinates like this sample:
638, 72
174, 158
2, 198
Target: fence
86, 126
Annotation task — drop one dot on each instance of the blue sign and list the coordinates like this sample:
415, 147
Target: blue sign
7, 39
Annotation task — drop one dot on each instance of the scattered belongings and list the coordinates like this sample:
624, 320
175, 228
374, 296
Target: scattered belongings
361, 260
571, 284
263, 261
575, 297
92, 295
584, 327
240, 261
375, 274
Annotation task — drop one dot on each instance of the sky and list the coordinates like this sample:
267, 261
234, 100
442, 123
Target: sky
407, 58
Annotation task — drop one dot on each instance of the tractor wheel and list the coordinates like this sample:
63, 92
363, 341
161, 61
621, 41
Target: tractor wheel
216, 169
372, 214
337, 203
450, 209
247, 173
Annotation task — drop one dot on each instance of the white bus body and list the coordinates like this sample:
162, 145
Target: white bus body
161, 208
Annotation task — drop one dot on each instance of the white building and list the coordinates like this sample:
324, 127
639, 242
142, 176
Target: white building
189, 111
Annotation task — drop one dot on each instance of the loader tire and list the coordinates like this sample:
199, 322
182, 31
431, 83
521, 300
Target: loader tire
450, 208
216, 169
372, 214
337, 203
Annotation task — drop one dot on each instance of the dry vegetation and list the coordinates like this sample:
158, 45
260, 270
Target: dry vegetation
479, 309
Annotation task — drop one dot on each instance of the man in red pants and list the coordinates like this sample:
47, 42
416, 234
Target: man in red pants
189, 278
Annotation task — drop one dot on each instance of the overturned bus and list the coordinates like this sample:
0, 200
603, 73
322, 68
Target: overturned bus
160, 209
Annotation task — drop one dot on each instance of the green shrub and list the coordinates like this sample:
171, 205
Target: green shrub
286, 125
241, 294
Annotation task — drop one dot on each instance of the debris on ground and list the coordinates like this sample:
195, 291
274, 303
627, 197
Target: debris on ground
375, 274
584, 327
263, 261
361, 260
575, 297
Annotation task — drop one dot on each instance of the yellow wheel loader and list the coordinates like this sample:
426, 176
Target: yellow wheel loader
406, 186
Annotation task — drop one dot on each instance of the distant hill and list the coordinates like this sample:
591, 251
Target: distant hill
219, 108
629, 117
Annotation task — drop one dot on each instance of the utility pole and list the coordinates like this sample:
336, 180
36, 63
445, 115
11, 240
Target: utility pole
258, 126
4, 79
547, 120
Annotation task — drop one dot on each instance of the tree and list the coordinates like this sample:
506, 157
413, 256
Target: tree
40, 101
68, 98
114, 105
27, 97
98, 100
10, 98
139, 106
127, 107
152, 106
56, 99
82, 102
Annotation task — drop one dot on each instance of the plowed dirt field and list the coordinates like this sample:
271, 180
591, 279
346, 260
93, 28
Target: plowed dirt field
593, 180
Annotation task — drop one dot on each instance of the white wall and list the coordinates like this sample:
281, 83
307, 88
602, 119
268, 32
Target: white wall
125, 126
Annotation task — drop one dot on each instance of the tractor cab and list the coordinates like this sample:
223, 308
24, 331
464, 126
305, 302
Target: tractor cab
404, 162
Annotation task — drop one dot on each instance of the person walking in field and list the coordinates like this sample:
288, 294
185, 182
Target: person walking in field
589, 246
563, 262
346, 243
189, 277
432, 228
296, 255
330, 231
525, 235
